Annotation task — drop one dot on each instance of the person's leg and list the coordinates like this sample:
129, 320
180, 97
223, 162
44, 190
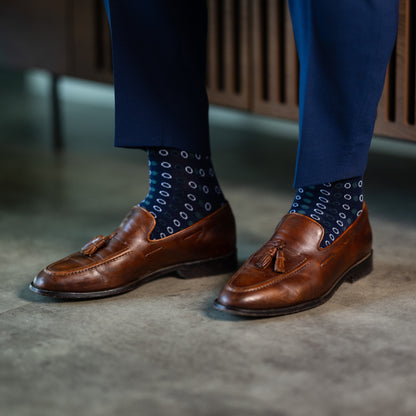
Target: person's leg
159, 54
344, 47
343, 64
159, 60
184, 225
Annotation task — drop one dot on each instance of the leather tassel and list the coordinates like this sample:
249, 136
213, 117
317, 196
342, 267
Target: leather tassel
89, 251
279, 264
275, 251
94, 245
264, 261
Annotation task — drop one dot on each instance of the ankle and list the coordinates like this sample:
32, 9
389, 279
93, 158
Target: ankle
334, 205
183, 189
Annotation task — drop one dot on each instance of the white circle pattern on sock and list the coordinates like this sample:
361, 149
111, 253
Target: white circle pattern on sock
324, 203
169, 171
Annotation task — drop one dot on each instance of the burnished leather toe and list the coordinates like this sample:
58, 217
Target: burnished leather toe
127, 258
291, 272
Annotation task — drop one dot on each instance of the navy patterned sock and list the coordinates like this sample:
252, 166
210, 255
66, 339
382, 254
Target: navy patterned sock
334, 205
183, 189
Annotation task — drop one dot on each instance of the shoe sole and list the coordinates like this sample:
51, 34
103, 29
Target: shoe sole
359, 270
189, 270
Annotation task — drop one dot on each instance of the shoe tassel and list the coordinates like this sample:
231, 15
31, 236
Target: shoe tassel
274, 252
95, 244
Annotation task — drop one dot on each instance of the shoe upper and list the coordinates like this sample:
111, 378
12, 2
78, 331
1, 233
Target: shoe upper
129, 254
292, 268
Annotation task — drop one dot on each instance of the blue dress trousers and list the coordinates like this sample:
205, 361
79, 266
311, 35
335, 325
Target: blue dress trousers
159, 60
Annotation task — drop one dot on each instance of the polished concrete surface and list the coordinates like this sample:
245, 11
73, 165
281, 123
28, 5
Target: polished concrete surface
162, 349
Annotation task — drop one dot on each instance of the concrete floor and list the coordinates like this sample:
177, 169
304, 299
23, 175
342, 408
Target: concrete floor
162, 349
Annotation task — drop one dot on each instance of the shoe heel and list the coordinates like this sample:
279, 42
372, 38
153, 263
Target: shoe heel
219, 265
361, 270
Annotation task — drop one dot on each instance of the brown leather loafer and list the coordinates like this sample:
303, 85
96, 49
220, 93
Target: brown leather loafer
292, 273
127, 258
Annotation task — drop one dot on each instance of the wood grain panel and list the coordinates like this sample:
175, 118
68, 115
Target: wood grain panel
228, 53
396, 112
274, 60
